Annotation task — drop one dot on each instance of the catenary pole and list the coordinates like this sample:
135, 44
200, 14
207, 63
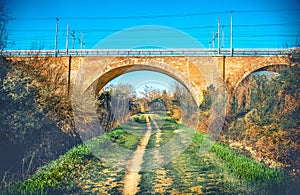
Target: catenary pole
56, 37
67, 39
219, 36
231, 35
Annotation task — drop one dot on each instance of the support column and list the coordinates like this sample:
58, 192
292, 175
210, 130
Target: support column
223, 66
69, 75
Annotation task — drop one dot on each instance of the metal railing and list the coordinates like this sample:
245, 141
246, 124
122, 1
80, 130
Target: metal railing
149, 52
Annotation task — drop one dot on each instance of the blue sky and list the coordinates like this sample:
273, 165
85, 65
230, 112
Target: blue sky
257, 23
139, 79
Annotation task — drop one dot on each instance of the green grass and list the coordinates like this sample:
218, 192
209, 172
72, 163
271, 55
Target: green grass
140, 118
167, 130
219, 170
55, 173
244, 168
248, 169
58, 176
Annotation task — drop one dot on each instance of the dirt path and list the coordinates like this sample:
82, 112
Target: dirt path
132, 177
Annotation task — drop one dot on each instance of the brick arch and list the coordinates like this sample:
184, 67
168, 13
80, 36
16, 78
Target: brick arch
255, 69
238, 68
231, 92
107, 77
97, 71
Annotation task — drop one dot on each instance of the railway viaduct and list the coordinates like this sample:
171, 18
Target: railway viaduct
194, 70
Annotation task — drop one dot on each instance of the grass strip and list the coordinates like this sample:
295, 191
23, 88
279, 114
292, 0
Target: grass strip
57, 175
248, 169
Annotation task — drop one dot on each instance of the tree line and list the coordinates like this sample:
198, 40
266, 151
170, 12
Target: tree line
117, 103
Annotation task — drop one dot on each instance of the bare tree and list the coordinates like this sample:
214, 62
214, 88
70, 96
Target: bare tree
4, 19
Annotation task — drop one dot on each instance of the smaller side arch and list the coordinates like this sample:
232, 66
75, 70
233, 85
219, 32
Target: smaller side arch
270, 67
233, 86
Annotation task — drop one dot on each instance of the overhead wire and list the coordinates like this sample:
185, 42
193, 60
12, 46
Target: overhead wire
195, 29
154, 29
156, 16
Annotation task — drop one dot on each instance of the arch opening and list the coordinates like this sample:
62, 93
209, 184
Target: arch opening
104, 79
136, 90
241, 93
269, 68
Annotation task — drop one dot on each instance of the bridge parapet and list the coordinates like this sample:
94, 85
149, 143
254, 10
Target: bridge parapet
149, 52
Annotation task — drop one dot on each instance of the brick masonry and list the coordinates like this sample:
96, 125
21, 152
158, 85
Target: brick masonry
196, 73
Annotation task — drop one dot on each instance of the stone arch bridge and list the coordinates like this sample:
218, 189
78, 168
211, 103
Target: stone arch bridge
196, 72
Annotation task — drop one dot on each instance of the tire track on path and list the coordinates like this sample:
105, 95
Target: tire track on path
161, 182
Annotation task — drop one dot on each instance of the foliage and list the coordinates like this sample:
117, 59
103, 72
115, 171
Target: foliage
264, 121
207, 98
115, 105
58, 176
184, 108
33, 129
158, 104
139, 118
150, 93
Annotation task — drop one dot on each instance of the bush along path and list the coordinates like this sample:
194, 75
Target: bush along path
146, 169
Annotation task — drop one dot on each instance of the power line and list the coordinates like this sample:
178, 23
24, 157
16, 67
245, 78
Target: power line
180, 28
158, 16
195, 29
174, 36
